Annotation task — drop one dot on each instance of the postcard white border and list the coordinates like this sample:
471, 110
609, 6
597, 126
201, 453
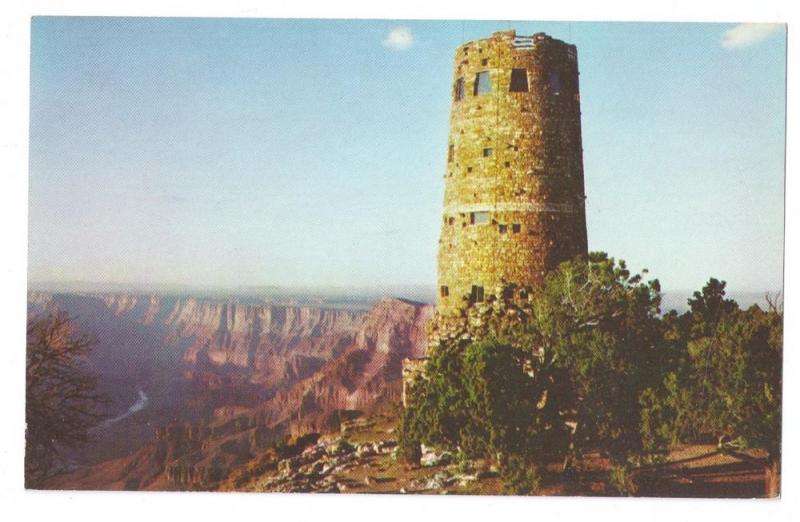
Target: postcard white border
63, 506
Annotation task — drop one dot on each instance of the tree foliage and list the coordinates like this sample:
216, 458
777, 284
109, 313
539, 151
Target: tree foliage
729, 380
61, 401
599, 324
588, 363
486, 401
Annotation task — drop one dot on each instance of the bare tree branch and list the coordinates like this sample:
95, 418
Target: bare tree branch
62, 403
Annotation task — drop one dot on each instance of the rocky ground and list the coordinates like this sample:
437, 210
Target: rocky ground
363, 459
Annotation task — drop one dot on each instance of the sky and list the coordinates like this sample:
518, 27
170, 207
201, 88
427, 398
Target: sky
244, 152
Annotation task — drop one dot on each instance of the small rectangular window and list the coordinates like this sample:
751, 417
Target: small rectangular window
477, 294
483, 84
519, 80
502, 228
458, 90
444, 291
554, 82
450, 153
487, 152
478, 218
515, 228
572, 54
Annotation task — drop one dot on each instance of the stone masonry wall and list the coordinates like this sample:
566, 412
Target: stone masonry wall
413, 368
515, 160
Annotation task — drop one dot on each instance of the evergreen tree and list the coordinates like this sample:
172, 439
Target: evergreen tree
61, 401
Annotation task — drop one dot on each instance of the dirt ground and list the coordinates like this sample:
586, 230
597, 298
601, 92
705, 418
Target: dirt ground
690, 471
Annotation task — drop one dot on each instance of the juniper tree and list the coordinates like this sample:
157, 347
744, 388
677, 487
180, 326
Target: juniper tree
61, 399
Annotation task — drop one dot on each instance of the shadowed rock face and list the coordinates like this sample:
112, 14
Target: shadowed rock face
278, 343
367, 372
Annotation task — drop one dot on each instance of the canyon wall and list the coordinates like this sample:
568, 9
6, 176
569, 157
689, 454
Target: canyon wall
273, 345
367, 372
227, 379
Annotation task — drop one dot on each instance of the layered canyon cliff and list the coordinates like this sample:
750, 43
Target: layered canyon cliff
226, 377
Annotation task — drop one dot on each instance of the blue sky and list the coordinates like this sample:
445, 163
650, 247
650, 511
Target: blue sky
215, 152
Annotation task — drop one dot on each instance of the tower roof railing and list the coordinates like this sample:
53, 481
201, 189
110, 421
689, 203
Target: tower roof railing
523, 42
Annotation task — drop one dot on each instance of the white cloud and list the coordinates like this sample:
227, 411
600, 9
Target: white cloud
745, 35
399, 38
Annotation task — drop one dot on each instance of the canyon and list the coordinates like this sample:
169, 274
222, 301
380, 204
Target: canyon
198, 384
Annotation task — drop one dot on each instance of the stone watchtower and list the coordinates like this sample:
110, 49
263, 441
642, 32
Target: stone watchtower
514, 197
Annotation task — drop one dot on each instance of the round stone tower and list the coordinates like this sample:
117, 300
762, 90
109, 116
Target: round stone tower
514, 196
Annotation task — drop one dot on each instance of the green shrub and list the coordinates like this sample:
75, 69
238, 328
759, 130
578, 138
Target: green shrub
480, 401
621, 480
520, 476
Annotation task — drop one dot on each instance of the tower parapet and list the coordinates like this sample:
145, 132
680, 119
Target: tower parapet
514, 191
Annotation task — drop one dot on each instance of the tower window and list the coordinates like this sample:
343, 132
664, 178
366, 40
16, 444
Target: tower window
458, 91
485, 62
476, 296
519, 80
478, 218
487, 152
507, 163
483, 84
554, 82
572, 54
515, 228
450, 152
503, 228
444, 291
